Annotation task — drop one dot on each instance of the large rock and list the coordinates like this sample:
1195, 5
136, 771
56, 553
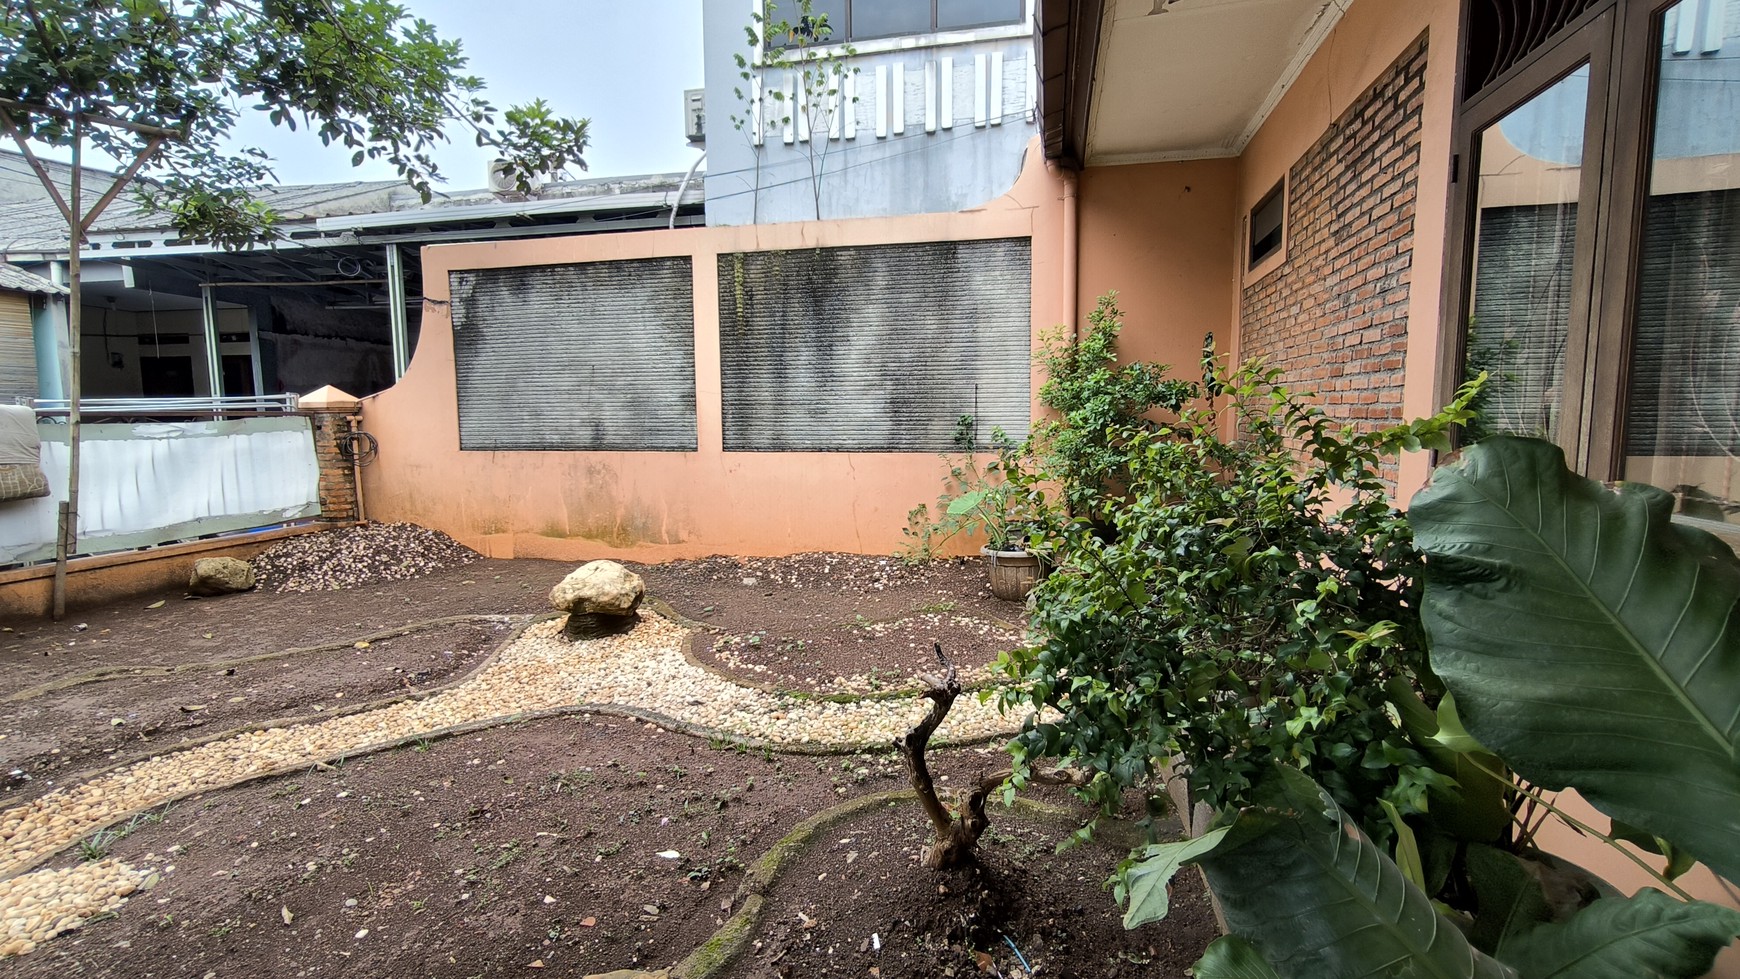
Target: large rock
600, 599
220, 576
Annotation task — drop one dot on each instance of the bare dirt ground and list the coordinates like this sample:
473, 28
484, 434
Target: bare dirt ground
578, 844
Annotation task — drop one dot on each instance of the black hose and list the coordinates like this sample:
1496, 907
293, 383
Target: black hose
358, 448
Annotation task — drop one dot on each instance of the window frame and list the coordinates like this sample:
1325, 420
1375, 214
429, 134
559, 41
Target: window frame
1256, 268
1620, 41
931, 36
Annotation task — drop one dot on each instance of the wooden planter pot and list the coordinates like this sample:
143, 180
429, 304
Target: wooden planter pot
1013, 573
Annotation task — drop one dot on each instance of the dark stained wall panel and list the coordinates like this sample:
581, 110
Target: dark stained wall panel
593, 357
876, 348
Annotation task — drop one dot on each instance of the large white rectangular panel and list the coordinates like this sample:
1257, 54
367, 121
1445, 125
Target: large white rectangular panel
947, 96
996, 95
930, 94
850, 93
882, 101
898, 111
152, 483
980, 110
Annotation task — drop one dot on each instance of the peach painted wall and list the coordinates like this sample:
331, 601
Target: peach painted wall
1160, 234
654, 506
1369, 38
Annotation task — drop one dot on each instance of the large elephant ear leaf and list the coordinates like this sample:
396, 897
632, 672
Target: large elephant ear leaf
1315, 898
1590, 641
1231, 957
1624, 938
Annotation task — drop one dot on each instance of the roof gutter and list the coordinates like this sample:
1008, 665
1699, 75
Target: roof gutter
1067, 39
649, 200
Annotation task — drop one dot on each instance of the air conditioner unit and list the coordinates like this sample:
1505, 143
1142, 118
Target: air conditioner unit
695, 115
501, 180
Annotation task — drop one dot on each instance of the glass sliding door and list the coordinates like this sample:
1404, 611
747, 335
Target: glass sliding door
1528, 183
1681, 418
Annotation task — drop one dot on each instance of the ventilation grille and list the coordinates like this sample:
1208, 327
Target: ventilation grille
877, 348
1501, 33
593, 357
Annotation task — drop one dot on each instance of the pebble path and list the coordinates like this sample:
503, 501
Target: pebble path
539, 671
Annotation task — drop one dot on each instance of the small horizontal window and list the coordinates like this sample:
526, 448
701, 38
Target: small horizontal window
1267, 219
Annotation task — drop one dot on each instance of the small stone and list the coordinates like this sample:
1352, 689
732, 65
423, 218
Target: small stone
220, 576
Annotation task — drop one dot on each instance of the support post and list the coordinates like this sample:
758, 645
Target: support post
214, 358
396, 312
66, 542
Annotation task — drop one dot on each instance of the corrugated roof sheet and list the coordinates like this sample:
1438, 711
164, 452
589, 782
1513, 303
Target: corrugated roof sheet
37, 225
15, 279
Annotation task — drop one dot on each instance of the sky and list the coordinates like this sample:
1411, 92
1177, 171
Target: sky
622, 65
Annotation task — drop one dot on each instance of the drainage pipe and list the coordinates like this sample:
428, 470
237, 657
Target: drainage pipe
1072, 248
678, 201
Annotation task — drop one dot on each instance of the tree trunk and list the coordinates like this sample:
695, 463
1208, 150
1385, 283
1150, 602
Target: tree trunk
957, 830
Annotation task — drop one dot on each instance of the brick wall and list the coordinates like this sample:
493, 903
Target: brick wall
337, 477
1333, 315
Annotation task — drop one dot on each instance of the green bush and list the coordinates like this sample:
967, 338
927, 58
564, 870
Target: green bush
1248, 603
1101, 411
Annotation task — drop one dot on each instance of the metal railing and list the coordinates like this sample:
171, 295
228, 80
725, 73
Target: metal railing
176, 407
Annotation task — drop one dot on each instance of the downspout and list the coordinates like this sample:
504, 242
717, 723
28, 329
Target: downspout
1072, 249
678, 201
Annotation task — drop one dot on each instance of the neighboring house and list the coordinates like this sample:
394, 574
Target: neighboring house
25, 302
917, 107
336, 301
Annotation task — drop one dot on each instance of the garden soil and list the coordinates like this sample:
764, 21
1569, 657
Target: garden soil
576, 844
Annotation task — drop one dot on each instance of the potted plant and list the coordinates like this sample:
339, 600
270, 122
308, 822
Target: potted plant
978, 498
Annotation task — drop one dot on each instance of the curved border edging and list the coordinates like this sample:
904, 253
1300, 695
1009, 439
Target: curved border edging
150, 672
729, 941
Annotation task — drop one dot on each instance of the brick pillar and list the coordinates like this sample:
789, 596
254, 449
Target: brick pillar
337, 476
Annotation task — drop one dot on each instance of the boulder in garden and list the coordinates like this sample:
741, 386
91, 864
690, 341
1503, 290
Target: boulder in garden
601, 599
220, 576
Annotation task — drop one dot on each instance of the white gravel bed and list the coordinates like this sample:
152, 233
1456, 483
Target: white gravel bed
541, 670
39, 906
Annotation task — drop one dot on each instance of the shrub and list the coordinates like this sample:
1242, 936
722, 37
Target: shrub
1247, 605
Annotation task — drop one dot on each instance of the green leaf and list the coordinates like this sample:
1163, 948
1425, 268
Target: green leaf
1231, 957
1149, 881
1678, 860
1407, 848
1317, 899
1625, 938
966, 502
1508, 898
1590, 641
1451, 732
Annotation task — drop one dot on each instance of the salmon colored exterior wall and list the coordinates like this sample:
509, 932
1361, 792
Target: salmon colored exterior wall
652, 506
1161, 235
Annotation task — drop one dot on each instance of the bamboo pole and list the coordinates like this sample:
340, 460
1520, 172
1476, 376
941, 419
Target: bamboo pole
67, 539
